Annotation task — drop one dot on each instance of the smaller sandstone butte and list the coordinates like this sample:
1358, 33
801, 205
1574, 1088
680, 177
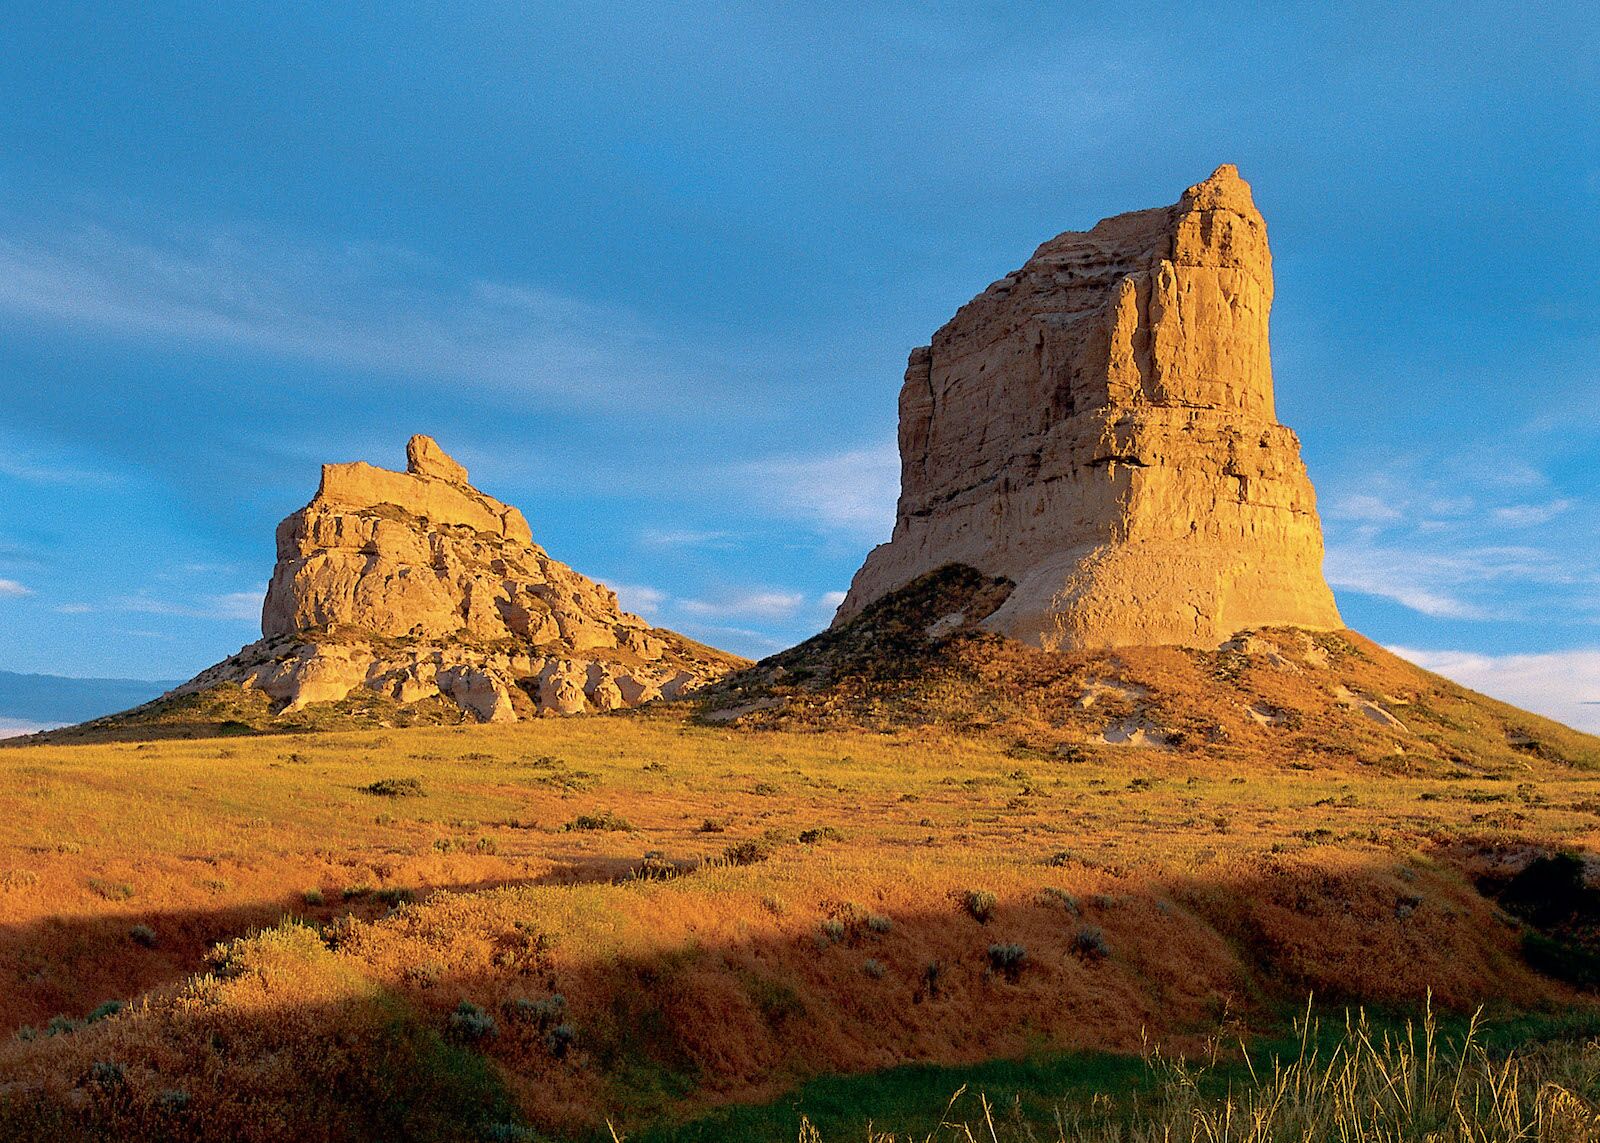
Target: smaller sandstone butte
1098, 428
414, 587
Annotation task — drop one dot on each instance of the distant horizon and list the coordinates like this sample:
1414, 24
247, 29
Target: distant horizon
653, 276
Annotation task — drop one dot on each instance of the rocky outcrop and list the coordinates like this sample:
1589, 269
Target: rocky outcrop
414, 585
1098, 428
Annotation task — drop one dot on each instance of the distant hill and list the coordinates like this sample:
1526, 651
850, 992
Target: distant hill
55, 699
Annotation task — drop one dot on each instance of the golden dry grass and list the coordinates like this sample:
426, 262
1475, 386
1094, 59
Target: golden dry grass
1222, 879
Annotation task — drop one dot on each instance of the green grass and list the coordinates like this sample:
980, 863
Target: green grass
1029, 1094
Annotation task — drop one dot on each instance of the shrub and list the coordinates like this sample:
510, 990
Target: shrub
18, 879
312, 896
143, 935
541, 1013
106, 1075
1050, 895
747, 852
1090, 943
1549, 890
878, 923
395, 788
656, 866
820, 833
605, 820
560, 1039
711, 825
979, 904
172, 1101
111, 890
354, 892
104, 1012
834, 929
396, 896
470, 1024
1007, 959
873, 968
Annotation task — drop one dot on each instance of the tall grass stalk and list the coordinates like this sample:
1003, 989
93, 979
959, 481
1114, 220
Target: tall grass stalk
1367, 1086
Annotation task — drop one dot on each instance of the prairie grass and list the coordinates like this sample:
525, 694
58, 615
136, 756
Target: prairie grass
708, 955
1352, 1079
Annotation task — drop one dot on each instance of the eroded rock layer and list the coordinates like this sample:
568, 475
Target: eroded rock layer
1098, 428
415, 585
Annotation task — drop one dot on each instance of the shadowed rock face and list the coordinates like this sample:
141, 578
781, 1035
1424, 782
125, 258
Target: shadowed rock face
1098, 427
415, 585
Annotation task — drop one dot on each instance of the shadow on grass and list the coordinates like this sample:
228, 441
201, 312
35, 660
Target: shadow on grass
439, 1023
65, 966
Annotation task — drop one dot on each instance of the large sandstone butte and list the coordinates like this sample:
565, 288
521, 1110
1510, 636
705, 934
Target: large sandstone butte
414, 586
1098, 428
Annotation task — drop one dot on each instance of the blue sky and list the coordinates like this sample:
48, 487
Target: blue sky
652, 271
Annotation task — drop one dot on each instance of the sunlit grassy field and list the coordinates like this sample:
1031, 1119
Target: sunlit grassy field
668, 917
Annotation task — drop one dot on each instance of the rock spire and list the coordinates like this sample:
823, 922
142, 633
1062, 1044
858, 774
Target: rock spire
1098, 427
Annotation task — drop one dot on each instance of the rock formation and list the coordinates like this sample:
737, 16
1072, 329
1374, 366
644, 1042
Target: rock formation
1098, 428
415, 585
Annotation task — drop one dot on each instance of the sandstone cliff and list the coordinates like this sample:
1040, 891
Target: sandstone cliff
414, 586
1098, 428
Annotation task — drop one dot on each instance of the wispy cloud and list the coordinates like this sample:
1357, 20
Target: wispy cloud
769, 605
1460, 541
1529, 515
1564, 685
853, 491
1361, 506
11, 588
740, 640
685, 538
33, 469
638, 598
1437, 581
232, 606
360, 306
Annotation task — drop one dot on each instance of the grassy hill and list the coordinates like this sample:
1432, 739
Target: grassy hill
885, 847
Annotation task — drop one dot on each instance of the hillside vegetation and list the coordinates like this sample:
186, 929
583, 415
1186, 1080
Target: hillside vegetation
473, 932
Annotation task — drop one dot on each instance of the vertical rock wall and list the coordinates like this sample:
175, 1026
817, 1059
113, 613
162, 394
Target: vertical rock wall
1098, 427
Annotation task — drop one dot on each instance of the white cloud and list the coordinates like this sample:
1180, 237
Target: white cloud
1530, 515
1385, 575
1361, 506
852, 491
764, 604
832, 599
10, 587
739, 640
240, 606
358, 306
639, 598
1563, 685
684, 538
